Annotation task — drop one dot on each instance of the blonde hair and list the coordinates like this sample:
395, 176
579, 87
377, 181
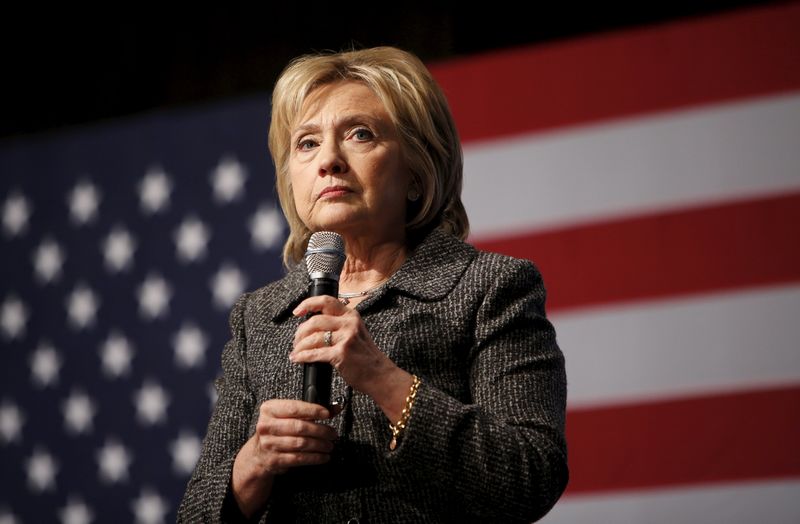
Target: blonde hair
419, 111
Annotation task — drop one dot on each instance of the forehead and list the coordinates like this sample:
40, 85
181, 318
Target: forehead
341, 97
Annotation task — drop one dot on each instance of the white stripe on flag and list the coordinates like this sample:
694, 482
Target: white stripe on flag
681, 346
677, 159
767, 502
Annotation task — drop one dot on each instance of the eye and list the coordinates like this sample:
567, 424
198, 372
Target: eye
306, 144
363, 134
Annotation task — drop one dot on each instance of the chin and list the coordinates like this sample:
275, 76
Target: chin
336, 222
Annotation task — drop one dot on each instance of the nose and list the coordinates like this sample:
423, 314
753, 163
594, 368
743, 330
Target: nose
332, 160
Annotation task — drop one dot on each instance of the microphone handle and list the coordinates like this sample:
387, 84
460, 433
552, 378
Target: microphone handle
317, 376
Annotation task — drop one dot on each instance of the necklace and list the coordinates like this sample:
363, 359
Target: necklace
344, 298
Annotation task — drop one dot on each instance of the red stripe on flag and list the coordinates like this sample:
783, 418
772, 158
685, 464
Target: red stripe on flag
733, 245
675, 65
748, 435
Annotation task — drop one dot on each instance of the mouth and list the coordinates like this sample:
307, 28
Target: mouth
333, 192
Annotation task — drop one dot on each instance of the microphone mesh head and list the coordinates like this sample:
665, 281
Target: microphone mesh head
325, 254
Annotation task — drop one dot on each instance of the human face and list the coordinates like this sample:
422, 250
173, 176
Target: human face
346, 165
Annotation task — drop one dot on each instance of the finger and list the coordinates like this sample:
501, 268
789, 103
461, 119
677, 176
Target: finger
297, 444
316, 341
295, 428
324, 304
317, 323
284, 461
308, 355
296, 409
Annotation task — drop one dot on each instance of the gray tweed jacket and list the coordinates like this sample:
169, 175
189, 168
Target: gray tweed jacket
485, 442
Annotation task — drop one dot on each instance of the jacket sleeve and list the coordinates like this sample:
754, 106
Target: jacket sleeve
503, 456
227, 431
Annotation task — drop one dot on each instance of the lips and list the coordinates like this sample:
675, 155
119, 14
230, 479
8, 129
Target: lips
334, 191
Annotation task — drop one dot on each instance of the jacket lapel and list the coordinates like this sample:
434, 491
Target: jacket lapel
434, 268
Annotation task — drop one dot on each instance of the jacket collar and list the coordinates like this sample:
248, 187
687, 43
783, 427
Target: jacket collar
429, 273
434, 267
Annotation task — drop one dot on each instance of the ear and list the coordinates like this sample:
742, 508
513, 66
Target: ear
414, 188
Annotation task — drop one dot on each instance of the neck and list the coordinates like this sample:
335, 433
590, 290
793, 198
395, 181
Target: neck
369, 265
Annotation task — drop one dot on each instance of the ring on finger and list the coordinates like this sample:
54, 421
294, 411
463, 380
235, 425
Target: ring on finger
328, 338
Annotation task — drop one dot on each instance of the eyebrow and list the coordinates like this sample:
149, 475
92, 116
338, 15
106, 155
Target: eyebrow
345, 121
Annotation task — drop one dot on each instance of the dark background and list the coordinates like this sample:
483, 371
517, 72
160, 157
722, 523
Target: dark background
67, 68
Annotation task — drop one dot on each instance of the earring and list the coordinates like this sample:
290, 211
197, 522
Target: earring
413, 194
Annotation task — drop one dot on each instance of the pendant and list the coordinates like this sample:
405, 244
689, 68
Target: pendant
393, 444
344, 301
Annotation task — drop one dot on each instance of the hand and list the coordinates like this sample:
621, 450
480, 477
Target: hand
286, 436
352, 352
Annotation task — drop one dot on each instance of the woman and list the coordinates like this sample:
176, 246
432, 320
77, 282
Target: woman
451, 388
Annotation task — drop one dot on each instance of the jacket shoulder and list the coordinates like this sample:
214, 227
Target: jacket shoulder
498, 265
271, 299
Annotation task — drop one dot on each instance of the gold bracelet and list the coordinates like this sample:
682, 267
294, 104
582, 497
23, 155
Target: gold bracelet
406, 413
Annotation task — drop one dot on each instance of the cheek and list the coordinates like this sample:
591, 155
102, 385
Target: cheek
300, 192
397, 181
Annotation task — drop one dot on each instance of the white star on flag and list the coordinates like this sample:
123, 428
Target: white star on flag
190, 345
79, 410
154, 191
41, 468
84, 200
113, 460
149, 507
47, 261
227, 285
118, 248
76, 512
228, 180
11, 421
13, 317
191, 239
116, 354
151, 404
82, 306
45, 365
266, 228
16, 212
185, 452
6, 517
154, 296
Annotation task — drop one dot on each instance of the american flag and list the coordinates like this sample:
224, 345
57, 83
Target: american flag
124, 247
652, 174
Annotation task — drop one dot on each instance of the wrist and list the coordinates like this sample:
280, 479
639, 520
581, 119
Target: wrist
391, 391
398, 427
251, 485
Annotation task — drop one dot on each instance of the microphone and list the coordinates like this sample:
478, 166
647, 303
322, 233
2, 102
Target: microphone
324, 260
